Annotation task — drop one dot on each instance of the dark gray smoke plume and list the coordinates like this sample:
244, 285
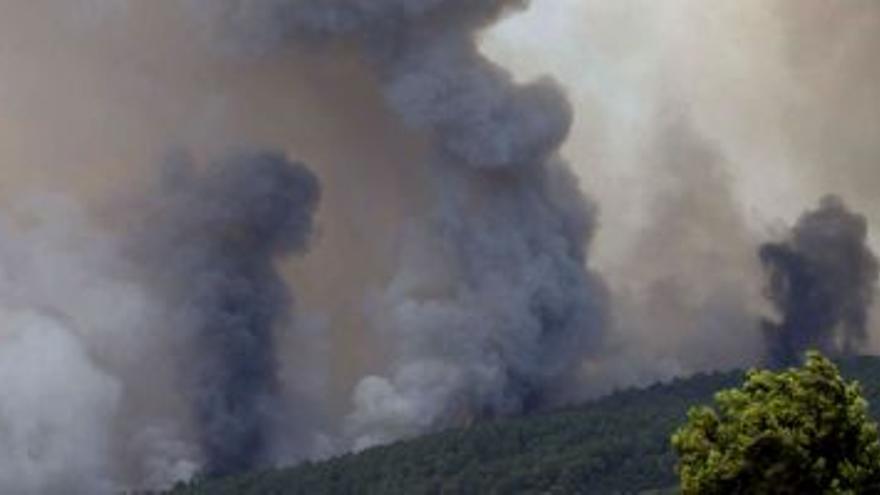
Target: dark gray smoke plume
492, 309
218, 234
822, 281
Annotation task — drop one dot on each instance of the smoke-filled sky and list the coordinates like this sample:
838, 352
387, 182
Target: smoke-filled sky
784, 89
471, 238
782, 93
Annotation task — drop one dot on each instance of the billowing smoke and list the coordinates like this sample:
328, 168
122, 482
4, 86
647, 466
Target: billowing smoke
501, 321
822, 281
784, 92
136, 358
55, 437
453, 276
82, 404
213, 240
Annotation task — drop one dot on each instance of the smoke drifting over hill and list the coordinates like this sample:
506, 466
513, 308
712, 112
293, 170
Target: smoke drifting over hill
212, 242
447, 262
822, 281
515, 309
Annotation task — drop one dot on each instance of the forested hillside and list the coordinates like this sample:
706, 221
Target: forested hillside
616, 445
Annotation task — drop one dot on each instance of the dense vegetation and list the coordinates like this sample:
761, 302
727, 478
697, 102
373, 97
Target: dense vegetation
796, 431
616, 445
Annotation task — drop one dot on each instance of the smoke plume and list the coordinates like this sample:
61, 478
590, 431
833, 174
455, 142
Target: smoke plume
502, 321
83, 407
55, 438
822, 281
215, 237
785, 93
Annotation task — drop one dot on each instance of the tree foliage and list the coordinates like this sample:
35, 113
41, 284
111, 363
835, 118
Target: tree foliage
804, 430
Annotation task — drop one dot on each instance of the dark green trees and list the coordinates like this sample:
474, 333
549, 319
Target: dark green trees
801, 431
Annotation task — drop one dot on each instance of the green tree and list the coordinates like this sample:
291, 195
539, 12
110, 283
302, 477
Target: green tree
800, 431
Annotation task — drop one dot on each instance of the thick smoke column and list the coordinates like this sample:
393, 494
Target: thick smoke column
493, 309
822, 281
219, 234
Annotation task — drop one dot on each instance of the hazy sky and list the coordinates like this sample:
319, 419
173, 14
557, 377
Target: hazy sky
728, 67
702, 130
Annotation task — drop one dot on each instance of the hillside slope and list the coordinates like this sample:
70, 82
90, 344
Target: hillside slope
616, 445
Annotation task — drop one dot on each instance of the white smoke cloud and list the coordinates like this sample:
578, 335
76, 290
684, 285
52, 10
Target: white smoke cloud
57, 409
76, 338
